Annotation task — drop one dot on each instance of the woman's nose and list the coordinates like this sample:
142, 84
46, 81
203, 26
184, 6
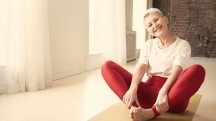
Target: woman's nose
154, 25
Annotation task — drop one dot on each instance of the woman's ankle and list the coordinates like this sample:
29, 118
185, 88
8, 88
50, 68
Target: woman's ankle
156, 113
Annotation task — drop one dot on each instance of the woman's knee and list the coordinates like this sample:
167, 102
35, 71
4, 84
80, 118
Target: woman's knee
107, 64
198, 69
195, 72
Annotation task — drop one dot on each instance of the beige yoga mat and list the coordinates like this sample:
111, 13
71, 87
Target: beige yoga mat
118, 112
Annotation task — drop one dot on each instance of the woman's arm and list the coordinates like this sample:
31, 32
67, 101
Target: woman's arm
131, 95
162, 101
138, 75
176, 71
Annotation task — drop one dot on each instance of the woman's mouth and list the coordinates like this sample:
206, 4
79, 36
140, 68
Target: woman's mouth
158, 29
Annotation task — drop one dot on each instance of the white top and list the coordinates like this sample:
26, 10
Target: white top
161, 61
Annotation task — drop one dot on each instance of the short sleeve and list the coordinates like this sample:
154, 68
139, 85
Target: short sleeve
144, 57
182, 55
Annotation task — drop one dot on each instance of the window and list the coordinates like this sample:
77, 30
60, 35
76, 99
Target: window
139, 7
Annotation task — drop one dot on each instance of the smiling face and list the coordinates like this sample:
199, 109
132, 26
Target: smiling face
156, 24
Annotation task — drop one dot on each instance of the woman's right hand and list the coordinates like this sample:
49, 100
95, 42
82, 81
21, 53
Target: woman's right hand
129, 98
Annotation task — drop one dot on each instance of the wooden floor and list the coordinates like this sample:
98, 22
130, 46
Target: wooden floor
82, 96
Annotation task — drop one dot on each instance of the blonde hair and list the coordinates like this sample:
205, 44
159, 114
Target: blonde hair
152, 10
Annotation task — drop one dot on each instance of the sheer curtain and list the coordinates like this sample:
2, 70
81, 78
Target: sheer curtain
109, 34
28, 65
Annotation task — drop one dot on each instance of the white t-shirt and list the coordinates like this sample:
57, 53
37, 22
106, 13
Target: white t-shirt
161, 61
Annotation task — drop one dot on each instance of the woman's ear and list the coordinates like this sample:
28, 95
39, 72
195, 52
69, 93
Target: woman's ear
166, 20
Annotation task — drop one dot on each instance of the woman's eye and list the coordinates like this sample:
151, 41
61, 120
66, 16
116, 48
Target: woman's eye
150, 25
156, 20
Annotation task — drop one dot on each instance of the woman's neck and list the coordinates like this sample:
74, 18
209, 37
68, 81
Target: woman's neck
166, 40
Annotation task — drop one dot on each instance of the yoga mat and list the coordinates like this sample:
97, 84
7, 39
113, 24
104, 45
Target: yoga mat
118, 112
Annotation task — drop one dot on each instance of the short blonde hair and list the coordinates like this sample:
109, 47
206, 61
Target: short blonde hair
152, 10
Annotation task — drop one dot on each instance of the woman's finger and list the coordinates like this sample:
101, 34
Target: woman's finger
167, 106
126, 99
137, 102
162, 107
158, 108
130, 101
156, 103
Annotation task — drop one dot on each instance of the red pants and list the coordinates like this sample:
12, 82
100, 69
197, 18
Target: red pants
186, 85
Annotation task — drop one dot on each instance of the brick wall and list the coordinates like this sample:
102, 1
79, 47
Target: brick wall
195, 21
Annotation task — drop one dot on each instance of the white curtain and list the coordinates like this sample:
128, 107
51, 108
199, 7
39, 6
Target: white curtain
28, 65
109, 29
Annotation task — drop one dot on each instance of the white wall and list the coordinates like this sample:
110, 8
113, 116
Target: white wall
68, 21
3, 31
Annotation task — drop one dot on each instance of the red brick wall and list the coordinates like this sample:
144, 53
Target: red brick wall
195, 21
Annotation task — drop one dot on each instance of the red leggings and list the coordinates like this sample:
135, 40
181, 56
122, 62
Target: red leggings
186, 85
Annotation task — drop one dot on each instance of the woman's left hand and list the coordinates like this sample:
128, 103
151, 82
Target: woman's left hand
162, 102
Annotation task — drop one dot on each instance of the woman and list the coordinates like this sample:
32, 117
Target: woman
170, 84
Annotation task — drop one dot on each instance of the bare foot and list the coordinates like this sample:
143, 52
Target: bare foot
141, 114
